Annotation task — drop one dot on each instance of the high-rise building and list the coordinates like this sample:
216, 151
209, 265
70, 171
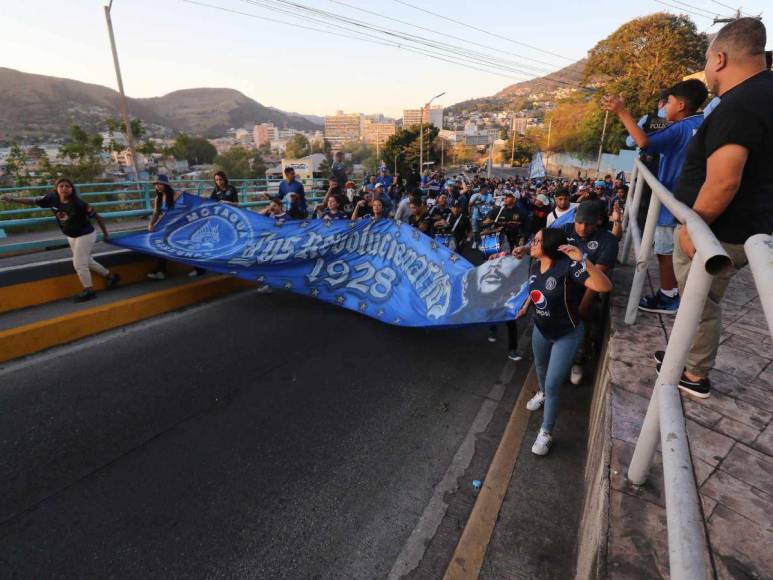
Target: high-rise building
436, 116
373, 133
413, 117
432, 115
343, 128
264, 133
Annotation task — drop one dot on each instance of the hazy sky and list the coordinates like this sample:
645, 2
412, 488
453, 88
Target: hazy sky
165, 45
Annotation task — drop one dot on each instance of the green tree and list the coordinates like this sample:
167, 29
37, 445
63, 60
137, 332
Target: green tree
236, 162
641, 57
321, 146
195, 150
324, 168
265, 149
298, 146
81, 155
16, 165
521, 153
405, 147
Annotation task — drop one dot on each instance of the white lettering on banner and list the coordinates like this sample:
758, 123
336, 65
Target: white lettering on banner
428, 278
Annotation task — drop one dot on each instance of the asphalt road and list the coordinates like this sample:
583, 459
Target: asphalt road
253, 437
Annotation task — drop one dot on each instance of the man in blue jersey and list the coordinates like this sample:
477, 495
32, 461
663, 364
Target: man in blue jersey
293, 188
684, 100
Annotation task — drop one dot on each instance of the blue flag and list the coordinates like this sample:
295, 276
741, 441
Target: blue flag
536, 167
384, 269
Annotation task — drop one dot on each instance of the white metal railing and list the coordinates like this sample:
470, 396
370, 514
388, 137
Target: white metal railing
759, 252
664, 422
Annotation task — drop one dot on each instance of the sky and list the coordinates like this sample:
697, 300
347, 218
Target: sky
166, 45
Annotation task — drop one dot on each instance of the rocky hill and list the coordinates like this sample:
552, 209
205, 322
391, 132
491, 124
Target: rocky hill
550, 85
38, 106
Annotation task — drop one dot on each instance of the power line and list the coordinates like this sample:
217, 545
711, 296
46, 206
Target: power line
703, 10
301, 11
444, 34
362, 37
682, 10
738, 10
482, 30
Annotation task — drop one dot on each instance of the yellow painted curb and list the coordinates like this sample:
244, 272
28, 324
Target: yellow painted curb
55, 288
37, 336
471, 549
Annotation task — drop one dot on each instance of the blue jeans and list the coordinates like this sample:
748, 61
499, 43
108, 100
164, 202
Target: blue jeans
553, 360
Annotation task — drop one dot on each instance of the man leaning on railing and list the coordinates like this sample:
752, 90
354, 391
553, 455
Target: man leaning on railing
727, 176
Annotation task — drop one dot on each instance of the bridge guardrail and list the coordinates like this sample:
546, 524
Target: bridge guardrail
124, 200
664, 422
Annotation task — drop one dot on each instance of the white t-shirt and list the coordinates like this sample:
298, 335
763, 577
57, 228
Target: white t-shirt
557, 213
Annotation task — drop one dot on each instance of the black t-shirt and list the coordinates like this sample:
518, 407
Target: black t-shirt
601, 246
743, 117
438, 213
230, 194
73, 216
459, 226
328, 215
555, 298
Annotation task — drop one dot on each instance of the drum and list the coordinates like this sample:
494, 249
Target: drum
446, 240
491, 243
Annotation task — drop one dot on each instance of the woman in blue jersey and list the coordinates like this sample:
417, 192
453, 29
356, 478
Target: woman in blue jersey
556, 268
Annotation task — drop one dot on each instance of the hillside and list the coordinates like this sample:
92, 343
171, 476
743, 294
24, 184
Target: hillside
548, 84
38, 106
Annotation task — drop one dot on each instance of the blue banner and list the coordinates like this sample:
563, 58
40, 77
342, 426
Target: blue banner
537, 166
384, 269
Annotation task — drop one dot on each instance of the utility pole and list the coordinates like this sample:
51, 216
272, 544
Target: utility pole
490, 155
738, 14
512, 137
421, 132
122, 100
601, 145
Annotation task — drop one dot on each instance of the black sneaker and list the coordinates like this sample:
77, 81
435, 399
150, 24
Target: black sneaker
85, 295
700, 389
112, 281
659, 356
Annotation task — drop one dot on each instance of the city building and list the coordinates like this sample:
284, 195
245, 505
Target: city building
343, 128
264, 133
436, 116
377, 133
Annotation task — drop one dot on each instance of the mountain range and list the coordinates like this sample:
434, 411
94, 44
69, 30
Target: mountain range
40, 107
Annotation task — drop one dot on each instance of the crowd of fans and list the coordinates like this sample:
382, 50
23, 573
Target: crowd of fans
716, 160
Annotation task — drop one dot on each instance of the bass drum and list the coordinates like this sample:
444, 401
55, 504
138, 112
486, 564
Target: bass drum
493, 242
446, 240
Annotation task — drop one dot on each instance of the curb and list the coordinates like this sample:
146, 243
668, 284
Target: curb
37, 336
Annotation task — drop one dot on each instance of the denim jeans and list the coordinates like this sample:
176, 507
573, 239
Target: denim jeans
553, 360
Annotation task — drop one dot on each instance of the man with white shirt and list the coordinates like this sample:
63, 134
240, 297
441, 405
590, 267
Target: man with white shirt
563, 205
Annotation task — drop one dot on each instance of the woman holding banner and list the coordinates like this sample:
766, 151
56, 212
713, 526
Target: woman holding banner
558, 331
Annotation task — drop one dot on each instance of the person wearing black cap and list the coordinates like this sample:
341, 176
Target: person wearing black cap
509, 217
601, 247
166, 199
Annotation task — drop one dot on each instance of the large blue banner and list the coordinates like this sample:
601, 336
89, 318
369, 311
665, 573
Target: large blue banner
383, 269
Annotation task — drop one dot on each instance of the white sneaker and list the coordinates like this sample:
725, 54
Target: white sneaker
156, 275
542, 443
536, 402
576, 375
193, 273
265, 289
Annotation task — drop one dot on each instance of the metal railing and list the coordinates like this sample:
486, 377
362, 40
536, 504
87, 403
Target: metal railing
759, 252
664, 422
126, 200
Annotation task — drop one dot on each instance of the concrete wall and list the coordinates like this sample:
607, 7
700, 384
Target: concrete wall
570, 164
592, 533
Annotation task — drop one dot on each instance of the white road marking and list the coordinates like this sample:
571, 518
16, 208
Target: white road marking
426, 528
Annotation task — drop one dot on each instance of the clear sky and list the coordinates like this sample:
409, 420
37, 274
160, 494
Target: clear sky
165, 45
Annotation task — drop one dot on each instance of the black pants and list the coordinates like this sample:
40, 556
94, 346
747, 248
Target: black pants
512, 334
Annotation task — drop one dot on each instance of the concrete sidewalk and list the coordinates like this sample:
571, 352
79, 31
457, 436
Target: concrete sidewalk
730, 436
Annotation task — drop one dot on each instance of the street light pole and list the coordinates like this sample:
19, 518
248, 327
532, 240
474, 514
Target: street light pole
421, 132
122, 99
601, 145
